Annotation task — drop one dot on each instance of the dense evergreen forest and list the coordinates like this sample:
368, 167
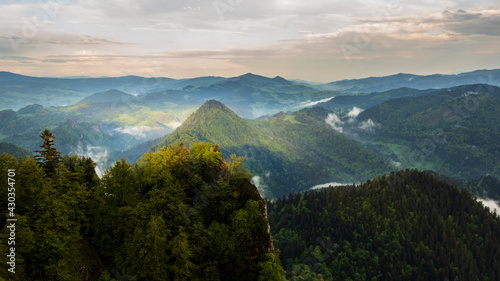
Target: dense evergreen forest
404, 226
178, 214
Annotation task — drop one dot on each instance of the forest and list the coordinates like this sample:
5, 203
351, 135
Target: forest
407, 225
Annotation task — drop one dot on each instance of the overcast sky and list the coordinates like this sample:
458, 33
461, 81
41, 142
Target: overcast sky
315, 40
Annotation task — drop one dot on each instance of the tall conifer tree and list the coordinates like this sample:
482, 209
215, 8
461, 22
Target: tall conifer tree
48, 157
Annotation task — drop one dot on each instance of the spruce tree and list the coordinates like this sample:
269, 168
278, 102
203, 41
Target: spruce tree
48, 157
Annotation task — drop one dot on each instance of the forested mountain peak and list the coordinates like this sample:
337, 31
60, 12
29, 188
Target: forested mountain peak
213, 105
30, 109
108, 96
211, 111
255, 80
212, 121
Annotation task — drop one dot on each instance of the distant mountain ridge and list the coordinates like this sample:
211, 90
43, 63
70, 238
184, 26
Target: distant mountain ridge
385, 83
17, 91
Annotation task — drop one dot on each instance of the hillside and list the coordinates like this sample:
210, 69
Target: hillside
404, 226
287, 152
348, 101
14, 150
454, 131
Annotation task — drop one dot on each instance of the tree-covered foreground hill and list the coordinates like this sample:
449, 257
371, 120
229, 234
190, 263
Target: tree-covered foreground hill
405, 226
178, 214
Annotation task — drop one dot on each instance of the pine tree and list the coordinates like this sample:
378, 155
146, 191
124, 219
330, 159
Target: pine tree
49, 156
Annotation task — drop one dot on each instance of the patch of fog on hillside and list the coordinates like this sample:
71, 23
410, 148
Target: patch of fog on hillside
355, 111
175, 125
334, 184
334, 121
491, 204
313, 103
99, 154
349, 125
368, 125
258, 182
396, 164
143, 132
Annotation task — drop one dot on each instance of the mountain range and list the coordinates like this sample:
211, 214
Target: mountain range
401, 80
17, 91
294, 135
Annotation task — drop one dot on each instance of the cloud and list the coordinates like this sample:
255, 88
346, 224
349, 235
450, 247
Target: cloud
312, 103
368, 125
355, 111
334, 121
142, 132
17, 59
396, 164
491, 204
174, 124
99, 154
334, 184
476, 24
461, 15
264, 51
84, 40
256, 180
